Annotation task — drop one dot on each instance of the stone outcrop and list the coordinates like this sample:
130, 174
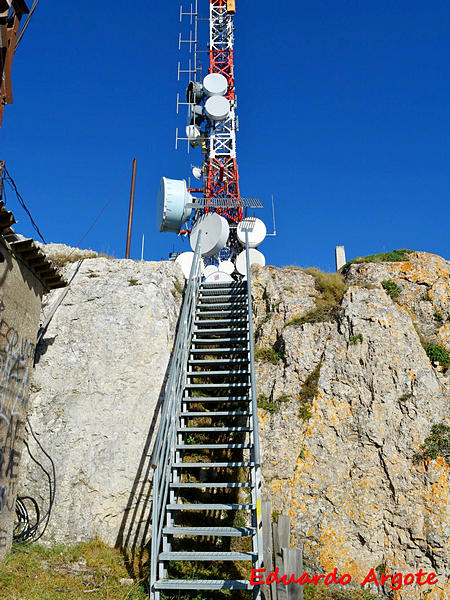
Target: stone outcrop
95, 392
352, 400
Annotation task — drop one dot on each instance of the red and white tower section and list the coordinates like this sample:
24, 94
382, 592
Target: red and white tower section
219, 214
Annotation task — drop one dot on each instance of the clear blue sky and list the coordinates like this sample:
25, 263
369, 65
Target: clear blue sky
343, 109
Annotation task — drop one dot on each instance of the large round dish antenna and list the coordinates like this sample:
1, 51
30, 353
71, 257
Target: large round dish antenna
171, 210
256, 258
256, 230
215, 84
226, 266
217, 108
215, 231
219, 278
184, 260
209, 270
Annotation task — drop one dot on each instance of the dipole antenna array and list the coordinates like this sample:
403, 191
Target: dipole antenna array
211, 129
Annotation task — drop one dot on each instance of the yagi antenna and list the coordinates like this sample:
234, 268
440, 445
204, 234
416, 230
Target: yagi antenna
274, 225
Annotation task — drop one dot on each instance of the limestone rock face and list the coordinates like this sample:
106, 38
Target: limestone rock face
345, 474
96, 386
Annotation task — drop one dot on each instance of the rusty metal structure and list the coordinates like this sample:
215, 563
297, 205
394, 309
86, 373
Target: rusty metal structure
11, 13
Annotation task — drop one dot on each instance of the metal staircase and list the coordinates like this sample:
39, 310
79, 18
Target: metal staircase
206, 500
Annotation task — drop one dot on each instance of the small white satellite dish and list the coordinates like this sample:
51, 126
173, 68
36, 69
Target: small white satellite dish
194, 135
215, 84
197, 172
226, 266
215, 231
256, 258
219, 278
256, 230
195, 114
217, 108
171, 210
209, 270
184, 260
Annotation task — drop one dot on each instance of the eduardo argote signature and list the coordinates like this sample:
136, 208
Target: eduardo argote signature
394, 580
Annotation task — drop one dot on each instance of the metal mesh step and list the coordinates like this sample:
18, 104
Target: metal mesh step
203, 584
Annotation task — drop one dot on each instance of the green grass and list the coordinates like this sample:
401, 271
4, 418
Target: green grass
437, 353
62, 573
270, 355
394, 256
438, 317
331, 288
308, 392
356, 339
436, 444
266, 404
321, 592
132, 281
391, 288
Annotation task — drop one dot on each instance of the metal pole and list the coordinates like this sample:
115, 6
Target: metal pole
130, 213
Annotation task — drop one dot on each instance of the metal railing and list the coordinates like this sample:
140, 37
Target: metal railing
255, 424
165, 443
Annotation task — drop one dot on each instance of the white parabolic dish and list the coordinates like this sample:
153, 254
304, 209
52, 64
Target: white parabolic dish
226, 266
256, 230
217, 108
215, 84
209, 270
215, 231
171, 211
184, 260
256, 258
219, 278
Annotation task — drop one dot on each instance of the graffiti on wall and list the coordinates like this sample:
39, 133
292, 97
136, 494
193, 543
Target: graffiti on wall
16, 353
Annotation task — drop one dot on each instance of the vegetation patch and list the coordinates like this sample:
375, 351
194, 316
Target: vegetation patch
437, 353
438, 317
391, 288
270, 355
332, 288
264, 403
85, 570
356, 339
322, 592
132, 281
308, 392
394, 256
436, 444
178, 288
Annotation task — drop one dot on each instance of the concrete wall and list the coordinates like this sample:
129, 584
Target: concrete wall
20, 303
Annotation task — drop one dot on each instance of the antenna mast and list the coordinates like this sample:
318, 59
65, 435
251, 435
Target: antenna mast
211, 127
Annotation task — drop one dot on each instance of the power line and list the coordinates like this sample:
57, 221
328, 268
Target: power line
25, 25
7, 177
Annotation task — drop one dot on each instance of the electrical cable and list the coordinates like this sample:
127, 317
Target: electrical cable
108, 202
25, 25
7, 177
24, 530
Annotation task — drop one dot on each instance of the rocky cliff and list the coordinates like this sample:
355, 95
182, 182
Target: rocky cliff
347, 392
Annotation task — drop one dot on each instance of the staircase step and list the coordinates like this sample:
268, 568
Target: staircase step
200, 400
209, 386
208, 556
203, 584
207, 322
239, 338
216, 465
204, 484
229, 350
211, 429
210, 506
220, 361
212, 307
220, 531
228, 413
219, 330
212, 446
206, 297
221, 313
224, 372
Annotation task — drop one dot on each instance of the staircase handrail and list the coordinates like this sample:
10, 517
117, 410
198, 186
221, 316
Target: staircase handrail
165, 442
